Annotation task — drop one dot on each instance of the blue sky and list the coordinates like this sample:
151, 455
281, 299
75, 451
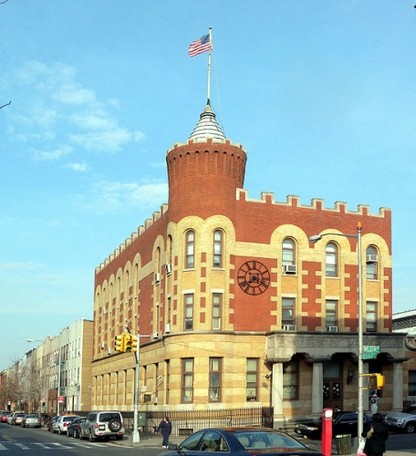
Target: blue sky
320, 93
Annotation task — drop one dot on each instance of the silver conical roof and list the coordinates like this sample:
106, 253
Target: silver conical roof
207, 127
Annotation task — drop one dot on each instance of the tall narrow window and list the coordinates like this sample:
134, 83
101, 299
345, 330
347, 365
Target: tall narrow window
252, 379
187, 380
218, 249
189, 311
288, 311
215, 379
288, 252
290, 380
331, 314
331, 260
371, 261
216, 311
412, 383
190, 249
371, 317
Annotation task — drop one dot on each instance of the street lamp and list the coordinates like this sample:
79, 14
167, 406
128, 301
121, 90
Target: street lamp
357, 236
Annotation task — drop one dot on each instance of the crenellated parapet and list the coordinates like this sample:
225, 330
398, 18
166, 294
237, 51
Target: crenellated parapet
135, 235
316, 204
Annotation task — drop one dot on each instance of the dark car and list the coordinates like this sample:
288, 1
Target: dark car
240, 441
343, 422
73, 428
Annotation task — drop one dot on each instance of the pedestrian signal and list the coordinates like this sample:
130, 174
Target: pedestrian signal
375, 381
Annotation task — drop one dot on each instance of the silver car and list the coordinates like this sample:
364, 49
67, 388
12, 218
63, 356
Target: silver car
31, 420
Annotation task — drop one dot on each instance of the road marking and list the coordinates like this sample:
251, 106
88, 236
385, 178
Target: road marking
2, 447
23, 447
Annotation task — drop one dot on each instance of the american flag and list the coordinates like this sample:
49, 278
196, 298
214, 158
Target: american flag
200, 46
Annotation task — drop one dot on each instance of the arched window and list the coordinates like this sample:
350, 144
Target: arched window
331, 260
371, 261
189, 249
288, 251
218, 243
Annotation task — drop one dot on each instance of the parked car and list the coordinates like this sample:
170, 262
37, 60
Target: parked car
51, 422
17, 418
404, 421
31, 420
343, 422
73, 428
102, 425
4, 416
10, 417
61, 424
241, 441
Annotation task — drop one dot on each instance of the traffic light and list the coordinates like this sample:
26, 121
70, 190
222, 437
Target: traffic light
375, 381
120, 343
134, 344
128, 342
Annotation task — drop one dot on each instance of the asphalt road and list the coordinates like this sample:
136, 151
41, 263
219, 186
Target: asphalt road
39, 442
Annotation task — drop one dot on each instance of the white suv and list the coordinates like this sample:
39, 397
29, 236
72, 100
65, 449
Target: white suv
102, 425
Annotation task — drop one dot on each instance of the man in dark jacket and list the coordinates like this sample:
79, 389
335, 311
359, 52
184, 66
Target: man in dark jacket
165, 428
376, 434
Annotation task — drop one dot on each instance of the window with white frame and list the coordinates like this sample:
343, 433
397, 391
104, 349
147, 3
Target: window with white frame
189, 249
218, 244
215, 379
189, 311
216, 311
252, 379
187, 380
331, 313
371, 316
331, 260
288, 252
288, 311
371, 263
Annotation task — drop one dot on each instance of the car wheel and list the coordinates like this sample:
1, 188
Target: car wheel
410, 428
90, 437
76, 435
80, 436
114, 425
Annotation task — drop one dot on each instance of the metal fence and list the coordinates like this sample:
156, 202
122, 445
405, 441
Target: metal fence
185, 422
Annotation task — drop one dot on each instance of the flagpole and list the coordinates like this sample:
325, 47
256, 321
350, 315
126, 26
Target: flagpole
209, 69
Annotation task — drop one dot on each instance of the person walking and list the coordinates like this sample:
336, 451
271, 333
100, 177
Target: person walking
376, 434
165, 428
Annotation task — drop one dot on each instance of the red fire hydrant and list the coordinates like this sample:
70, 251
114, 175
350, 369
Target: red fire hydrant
326, 442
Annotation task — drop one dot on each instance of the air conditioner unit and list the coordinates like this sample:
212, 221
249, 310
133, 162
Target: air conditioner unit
168, 268
157, 277
332, 329
289, 327
155, 335
167, 328
372, 259
289, 269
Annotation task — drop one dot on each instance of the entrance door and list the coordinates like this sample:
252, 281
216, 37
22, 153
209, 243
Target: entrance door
332, 394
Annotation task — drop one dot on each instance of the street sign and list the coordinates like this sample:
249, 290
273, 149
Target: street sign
370, 351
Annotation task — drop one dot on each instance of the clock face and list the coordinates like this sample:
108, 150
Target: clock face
253, 277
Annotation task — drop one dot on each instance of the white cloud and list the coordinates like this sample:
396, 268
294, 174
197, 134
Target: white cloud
79, 167
110, 140
53, 155
109, 196
55, 106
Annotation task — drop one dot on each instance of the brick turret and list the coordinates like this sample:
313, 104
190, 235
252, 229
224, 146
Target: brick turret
205, 172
